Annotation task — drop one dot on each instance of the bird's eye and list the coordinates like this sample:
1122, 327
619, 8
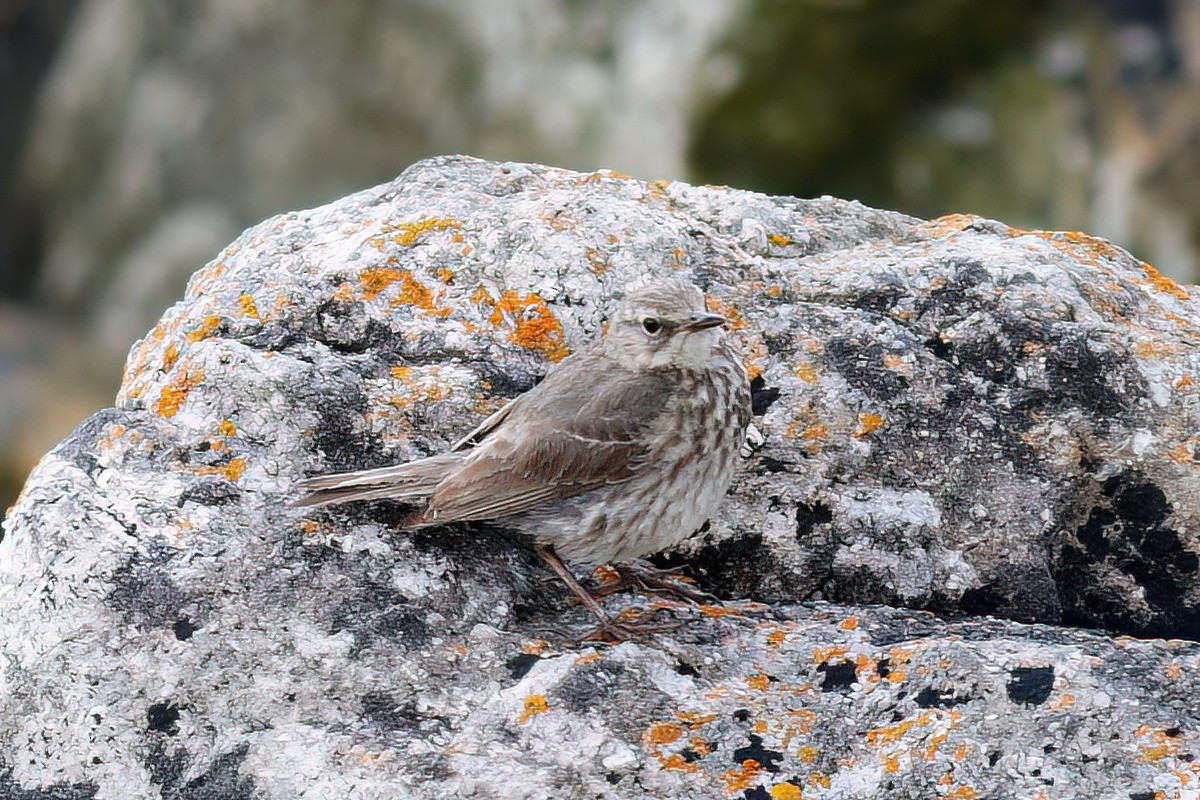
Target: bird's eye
651, 325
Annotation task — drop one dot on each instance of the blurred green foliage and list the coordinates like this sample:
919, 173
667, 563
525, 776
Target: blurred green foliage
827, 90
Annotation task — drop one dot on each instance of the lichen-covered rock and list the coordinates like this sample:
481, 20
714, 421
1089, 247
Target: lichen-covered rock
953, 415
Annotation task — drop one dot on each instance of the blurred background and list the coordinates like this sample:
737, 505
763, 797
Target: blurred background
138, 137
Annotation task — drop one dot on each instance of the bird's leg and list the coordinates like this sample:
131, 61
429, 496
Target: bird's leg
609, 628
645, 578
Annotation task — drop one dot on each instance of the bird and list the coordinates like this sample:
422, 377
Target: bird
625, 448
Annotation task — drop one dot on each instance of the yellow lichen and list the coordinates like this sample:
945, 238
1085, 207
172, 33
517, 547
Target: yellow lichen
868, 423
786, 791
234, 469
779, 240
534, 704
249, 308
227, 428
207, 328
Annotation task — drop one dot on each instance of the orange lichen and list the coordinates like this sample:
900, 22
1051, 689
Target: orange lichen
603, 174
823, 654
597, 259
375, 279
935, 742
786, 791
807, 372
234, 469
740, 778
1076, 244
170, 356
758, 681
819, 779
174, 394
661, 733
1181, 454
694, 719
736, 321
445, 275
415, 293
678, 762
962, 793
407, 233
893, 733
813, 432
535, 647
658, 189
950, 223
849, 624
1152, 349
775, 638
209, 326
778, 239
227, 428
532, 324
717, 611
248, 306
891, 764
1162, 283
1184, 382
807, 754
534, 704
1062, 701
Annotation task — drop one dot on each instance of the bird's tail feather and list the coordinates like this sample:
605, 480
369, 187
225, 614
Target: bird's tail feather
415, 480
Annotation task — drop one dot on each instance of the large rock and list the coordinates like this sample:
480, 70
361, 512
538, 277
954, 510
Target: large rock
952, 415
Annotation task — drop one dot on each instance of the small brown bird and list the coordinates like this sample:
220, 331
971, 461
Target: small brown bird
624, 449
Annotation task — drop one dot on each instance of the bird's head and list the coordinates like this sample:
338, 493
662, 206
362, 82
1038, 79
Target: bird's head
662, 323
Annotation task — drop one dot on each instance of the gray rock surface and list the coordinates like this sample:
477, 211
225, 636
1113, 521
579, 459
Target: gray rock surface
953, 415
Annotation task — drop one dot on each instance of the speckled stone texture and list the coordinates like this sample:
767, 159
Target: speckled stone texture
952, 415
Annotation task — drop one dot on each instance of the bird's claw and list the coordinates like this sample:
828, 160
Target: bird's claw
646, 579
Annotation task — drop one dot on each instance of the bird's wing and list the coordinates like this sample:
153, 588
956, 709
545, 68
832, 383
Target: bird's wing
581, 428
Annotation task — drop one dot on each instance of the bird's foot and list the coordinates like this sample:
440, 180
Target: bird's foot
644, 578
629, 625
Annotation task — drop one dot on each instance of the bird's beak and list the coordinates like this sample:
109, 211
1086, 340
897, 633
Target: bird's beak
700, 322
